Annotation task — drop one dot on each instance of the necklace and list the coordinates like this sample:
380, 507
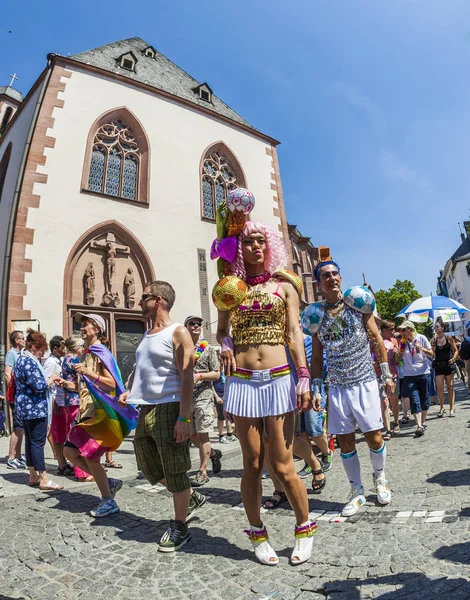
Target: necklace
257, 279
199, 349
337, 303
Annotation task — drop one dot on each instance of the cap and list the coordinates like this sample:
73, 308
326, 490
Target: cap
98, 319
407, 325
191, 317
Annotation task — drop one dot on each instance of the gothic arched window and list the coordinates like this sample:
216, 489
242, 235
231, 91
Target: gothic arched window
114, 167
117, 158
220, 173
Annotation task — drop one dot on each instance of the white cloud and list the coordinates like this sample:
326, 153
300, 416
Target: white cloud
392, 166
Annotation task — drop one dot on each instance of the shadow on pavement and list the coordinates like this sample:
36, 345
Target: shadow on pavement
451, 478
402, 585
459, 553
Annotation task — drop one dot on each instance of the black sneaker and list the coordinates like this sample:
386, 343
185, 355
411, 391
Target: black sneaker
326, 461
215, 460
175, 536
305, 472
196, 500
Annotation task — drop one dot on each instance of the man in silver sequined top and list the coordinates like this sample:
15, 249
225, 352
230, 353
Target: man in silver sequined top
353, 391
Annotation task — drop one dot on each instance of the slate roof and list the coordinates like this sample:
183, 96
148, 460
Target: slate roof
158, 72
461, 251
11, 93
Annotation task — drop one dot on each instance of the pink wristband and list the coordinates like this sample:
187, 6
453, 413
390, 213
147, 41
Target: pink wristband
227, 344
302, 372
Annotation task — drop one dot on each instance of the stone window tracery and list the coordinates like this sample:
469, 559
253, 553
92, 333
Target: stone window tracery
218, 178
115, 161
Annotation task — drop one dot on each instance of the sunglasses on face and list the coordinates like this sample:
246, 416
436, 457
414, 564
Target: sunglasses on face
329, 274
146, 297
194, 323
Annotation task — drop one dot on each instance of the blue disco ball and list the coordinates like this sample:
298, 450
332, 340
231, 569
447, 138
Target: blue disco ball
360, 298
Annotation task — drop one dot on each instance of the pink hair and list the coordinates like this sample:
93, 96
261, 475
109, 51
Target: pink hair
276, 255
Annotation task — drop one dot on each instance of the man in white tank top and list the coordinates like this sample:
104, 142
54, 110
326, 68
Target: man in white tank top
162, 385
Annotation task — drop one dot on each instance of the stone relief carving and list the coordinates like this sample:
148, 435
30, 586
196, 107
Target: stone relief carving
129, 288
89, 285
111, 250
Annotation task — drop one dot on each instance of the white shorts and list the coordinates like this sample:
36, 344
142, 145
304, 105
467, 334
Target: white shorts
357, 405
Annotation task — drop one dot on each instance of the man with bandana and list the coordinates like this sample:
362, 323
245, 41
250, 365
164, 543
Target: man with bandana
343, 329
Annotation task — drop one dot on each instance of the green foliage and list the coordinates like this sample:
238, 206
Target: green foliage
391, 302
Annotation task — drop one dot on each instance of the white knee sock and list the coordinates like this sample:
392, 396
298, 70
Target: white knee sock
352, 467
377, 458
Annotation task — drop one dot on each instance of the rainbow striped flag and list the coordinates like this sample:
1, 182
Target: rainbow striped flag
113, 422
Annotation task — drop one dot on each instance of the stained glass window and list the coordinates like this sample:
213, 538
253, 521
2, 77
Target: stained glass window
114, 166
95, 178
217, 180
207, 199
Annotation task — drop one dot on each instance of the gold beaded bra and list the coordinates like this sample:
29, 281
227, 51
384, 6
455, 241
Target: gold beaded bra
260, 319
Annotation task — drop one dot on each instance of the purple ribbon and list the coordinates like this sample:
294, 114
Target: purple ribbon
225, 248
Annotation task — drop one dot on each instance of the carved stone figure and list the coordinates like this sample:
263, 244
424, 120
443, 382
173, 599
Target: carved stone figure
89, 284
129, 289
111, 249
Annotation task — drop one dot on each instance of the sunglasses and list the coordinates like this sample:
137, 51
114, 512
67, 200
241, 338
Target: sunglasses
146, 297
194, 323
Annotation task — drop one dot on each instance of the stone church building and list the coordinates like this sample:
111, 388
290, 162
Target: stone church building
111, 169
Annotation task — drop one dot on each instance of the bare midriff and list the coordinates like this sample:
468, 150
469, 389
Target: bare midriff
258, 358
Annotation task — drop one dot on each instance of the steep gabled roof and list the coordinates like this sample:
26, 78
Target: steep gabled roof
158, 72
461, 251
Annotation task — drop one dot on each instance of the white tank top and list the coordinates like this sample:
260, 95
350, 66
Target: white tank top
156, 379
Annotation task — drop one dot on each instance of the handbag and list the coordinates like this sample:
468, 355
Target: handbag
11, 390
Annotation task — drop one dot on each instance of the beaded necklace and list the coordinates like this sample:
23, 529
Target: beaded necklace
257, 279
199, 349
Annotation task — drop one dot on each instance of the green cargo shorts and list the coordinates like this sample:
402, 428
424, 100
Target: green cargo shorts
158, 455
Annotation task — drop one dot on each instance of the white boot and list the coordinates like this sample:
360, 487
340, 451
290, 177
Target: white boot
263, 551
303, 542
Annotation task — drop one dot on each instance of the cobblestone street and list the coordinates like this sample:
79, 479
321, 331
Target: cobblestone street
418, 547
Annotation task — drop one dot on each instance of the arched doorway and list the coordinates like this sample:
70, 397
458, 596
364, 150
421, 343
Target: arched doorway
105, 274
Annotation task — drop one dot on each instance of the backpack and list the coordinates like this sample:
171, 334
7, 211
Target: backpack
11, 390
464, 351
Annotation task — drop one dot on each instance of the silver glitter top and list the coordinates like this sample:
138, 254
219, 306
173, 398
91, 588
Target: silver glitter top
346, 344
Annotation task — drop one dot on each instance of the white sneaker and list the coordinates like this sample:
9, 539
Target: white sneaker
356, 500
384, 495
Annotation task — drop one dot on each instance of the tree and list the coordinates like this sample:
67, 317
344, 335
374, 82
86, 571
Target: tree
391, 302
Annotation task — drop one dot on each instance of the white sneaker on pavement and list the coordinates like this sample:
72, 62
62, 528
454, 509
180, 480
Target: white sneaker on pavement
356, 500
384, 495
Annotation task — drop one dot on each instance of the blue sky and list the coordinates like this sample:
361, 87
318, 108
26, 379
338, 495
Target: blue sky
371, 101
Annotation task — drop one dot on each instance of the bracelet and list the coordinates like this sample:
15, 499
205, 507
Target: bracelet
317, 383
303, 372
385, 370
97, 379
184, 420
200, 376
227, 344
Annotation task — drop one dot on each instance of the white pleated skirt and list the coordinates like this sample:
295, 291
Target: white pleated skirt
246, 398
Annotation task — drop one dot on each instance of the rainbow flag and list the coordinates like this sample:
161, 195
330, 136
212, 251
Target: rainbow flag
112, 423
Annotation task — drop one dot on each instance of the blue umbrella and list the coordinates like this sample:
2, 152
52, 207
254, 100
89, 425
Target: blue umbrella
432, 303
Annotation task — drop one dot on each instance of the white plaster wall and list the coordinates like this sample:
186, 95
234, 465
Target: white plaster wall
170, 229
17, 135
462, 283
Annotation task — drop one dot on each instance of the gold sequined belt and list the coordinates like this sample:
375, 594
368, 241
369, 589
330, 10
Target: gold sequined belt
264, 375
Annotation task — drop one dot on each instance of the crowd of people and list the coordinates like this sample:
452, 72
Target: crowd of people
279, 391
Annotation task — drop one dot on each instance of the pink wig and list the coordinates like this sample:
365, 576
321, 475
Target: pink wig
276, 256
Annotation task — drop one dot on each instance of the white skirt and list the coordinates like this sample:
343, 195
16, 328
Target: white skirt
246, 398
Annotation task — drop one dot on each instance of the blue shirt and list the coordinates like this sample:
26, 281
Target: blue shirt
31, 389
11, 357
